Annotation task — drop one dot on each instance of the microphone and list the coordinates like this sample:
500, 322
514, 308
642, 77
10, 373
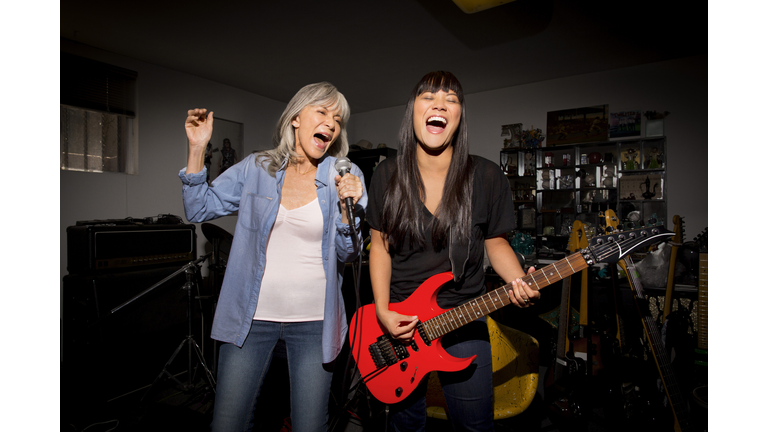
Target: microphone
343, 166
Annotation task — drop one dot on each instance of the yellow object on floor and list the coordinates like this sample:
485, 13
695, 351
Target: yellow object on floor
515, 374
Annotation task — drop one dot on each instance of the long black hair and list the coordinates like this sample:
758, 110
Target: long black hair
402, 216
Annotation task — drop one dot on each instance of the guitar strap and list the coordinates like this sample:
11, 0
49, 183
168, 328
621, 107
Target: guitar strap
458, 253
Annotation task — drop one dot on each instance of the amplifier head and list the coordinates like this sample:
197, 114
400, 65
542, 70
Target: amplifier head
111, 247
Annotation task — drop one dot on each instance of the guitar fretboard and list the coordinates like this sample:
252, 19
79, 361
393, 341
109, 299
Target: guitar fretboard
703, 330
498, 298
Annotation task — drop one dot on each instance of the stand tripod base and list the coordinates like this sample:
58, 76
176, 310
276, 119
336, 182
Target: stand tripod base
192, 345
191, 272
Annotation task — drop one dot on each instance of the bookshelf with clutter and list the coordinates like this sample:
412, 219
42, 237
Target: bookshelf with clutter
591, 188
577, 171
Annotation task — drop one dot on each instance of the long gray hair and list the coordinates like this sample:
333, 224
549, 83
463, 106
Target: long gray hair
283, 138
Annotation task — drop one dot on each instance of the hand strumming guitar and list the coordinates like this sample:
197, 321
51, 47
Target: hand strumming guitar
401, 327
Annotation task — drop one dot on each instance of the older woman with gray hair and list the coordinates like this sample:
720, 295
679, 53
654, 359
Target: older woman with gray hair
284, 275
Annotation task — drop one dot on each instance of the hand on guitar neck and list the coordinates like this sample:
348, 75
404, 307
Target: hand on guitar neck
521, 294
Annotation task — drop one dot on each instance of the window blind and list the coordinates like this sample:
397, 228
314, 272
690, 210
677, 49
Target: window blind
97, 86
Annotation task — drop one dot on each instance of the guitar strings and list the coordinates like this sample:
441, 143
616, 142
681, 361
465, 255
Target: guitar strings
459, 316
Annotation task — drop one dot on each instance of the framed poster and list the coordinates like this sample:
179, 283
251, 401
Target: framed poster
527, 218
578, 125
625, 124
225, 148
511, 135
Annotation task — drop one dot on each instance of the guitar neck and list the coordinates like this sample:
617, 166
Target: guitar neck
481, 306
659, 352
703, 300
602, 249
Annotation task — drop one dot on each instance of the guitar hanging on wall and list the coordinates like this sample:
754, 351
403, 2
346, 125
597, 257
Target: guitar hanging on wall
392, 369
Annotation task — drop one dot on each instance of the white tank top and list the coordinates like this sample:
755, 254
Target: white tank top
293, 286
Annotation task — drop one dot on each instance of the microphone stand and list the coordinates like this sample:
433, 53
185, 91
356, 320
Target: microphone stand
191, 272
356, 386
146, 291
349, 396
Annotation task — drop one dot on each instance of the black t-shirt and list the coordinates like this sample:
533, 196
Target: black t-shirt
492, 214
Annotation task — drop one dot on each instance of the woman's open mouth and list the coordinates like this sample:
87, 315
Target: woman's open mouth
322, 139
436, 124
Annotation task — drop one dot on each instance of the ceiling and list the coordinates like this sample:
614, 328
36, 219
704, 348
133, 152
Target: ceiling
376, 51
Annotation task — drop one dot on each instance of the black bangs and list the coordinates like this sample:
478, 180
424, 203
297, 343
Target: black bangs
439, 80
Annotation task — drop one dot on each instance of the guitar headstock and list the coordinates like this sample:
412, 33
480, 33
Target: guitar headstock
611, 221
679, 229
610, 248
702, 240
578, 239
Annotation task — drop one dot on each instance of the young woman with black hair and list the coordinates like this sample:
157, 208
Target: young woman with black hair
434, 209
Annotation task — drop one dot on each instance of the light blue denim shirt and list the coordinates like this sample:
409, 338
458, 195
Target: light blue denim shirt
249, 189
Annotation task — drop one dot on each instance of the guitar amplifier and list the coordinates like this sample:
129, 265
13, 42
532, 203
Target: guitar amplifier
111, 245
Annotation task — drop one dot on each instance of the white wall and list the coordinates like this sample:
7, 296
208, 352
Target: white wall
164, 96
678, 86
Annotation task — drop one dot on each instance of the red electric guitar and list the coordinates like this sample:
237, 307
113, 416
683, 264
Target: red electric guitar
392, 369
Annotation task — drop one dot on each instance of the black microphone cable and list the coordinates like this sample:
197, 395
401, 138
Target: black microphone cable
343, 166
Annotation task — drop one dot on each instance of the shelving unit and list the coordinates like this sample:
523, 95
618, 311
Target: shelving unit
521, 173
580, 181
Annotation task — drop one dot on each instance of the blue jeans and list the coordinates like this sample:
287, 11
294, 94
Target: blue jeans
241, 373
468, 393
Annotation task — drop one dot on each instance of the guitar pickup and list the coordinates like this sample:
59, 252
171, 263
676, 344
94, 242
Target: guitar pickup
423, 334
387, 351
